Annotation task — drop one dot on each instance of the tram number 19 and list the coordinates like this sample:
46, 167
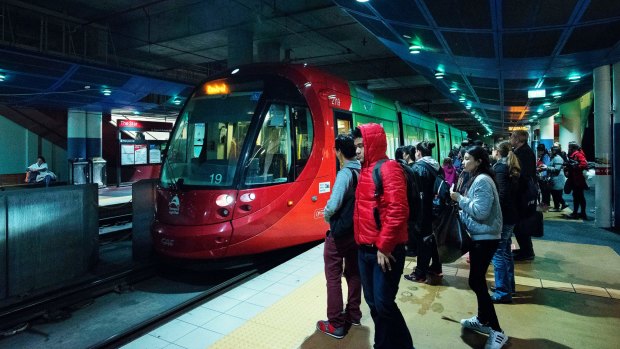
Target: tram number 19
216, 178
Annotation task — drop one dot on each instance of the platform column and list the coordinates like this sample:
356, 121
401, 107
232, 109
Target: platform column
546, 132
602, 145
76, 134
240, 45
616, 147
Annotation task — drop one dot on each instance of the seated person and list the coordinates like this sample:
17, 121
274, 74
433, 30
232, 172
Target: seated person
38, 172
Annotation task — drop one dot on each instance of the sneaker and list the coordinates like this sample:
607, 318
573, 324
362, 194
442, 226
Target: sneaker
353, 322
414, 277
327, 328
474, 324
501, 300
496, 340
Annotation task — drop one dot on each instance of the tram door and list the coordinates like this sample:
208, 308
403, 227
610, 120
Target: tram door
343, 124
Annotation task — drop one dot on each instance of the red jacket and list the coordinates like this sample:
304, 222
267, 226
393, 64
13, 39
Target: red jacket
575, 174
393, 206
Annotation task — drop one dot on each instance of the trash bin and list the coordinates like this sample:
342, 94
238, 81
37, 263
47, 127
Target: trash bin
79, 171
98, 171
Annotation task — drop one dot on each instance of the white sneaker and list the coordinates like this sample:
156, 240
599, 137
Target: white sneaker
496, 340
474, 324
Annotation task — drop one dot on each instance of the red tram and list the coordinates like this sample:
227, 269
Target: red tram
250, 162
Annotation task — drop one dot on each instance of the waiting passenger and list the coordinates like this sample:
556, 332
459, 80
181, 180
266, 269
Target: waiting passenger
544, 180
427, 169
382, 241
507, 171
340, 245
38, 172
528, 186
482, 215
558, 179
399, 153
409, 154
577, 182
449, 171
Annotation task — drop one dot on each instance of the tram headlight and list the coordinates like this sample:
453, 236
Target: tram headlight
224, 200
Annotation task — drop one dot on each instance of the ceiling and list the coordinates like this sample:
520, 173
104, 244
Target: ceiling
149, 53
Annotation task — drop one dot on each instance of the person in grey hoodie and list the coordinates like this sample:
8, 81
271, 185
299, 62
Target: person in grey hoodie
340, 247
481, 213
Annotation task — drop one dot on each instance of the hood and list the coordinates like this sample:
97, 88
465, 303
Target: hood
375, 143
429, 160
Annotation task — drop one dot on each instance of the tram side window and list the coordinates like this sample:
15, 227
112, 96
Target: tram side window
271, 156
304, 136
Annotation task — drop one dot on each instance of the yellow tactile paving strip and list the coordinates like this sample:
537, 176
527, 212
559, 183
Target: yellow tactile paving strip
554, 321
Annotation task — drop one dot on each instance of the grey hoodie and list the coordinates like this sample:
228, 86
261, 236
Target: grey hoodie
481, 211
429, 160
341, 184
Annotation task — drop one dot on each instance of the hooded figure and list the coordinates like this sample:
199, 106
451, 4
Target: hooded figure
381, 255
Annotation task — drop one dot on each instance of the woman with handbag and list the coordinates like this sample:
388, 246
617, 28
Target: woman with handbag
482, 215
557, 179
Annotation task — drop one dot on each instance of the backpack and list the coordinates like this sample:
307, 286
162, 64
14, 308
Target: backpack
413, 192
341, 222
441, 190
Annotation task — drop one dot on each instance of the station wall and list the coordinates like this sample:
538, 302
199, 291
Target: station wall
19, 149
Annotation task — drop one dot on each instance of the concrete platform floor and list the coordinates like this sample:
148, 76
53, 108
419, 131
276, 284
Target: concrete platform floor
569, 297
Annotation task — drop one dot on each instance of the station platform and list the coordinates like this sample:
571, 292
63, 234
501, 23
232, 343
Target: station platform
109, 196
568, 297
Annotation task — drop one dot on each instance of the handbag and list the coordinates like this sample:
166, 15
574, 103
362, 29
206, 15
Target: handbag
451, 235
568, 186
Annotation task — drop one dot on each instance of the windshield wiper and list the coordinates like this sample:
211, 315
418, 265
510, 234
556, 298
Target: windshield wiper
171, 176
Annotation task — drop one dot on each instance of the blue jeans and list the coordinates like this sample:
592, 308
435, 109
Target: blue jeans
503, 265
380, 289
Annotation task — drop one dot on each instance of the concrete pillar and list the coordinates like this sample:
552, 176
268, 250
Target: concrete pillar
546, 132
76, 134
93, 134
602, 145
616, 145
240, 45
268, 52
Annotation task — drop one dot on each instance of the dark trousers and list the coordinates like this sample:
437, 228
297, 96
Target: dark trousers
427, 252
334, 254
480, 257
380, 289
558, 200
526, 248
579, 199
546, 195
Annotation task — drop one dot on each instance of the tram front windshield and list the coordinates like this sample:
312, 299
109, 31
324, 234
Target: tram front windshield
205, 147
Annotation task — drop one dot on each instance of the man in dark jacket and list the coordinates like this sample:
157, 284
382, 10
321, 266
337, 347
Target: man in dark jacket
527, 160
382, 246
427, 169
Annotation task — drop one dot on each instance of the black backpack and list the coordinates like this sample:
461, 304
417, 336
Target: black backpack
413, 192
341, 222
441, 190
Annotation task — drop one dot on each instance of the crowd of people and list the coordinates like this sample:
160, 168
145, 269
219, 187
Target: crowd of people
371, 230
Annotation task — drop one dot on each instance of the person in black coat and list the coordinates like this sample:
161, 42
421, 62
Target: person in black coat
427, 169
527, 160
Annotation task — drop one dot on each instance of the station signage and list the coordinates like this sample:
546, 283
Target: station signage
144, 126
517, 128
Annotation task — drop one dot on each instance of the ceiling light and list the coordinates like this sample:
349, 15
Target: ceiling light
406, 36
546, 104
574, 78
557, 94
135, 112
176, 101
363, 0
415, 49
439, 74
462, 99
453, 89
2, 76
106, 91
308, 84
235, 71
538, 93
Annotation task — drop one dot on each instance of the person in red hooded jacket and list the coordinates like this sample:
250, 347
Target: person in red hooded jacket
381, 256
575, 166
